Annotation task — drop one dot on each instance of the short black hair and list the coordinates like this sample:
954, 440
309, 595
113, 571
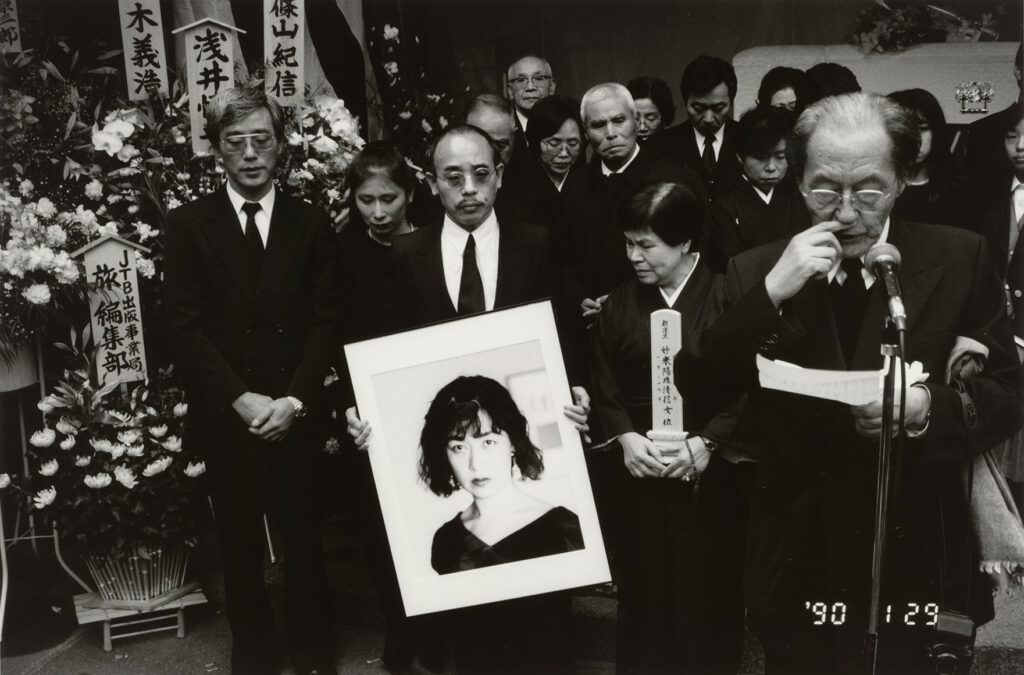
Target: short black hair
669, 210
760, 129
547, 117
705, 73
455, 411
462, 130
659, 93
826, 79
777, 79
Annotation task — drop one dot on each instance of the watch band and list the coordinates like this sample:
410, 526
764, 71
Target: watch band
300, 409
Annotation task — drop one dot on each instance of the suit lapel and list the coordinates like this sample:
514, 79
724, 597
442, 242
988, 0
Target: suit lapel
511, 266
917, 283
811, 309
285, 233
428, 269
224, 231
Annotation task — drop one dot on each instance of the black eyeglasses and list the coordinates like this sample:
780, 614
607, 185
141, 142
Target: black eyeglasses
235, 145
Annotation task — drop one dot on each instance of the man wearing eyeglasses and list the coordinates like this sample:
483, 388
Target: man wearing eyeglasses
528, 80
810, 301
249, 292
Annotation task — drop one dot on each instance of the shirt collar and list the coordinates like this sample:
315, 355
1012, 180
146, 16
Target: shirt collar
238, 201
484, 235
869, 277
605, 171
523, 120
1014, 184
765, 197
719, 135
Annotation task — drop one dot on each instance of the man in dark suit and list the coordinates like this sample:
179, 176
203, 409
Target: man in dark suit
595, 258
250, 297
472, 261
809, 301
985, 162
528, 80
525, 192
704, 143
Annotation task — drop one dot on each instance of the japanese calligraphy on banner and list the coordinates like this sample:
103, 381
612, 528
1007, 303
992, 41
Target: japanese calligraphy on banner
145, 59
10, 30
284, 43
666, 339
114, 309
211, 69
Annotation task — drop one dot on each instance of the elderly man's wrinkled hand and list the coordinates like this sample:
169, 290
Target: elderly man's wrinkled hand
810, 254
867, 419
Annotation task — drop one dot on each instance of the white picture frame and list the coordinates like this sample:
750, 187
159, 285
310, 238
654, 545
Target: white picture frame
395, 378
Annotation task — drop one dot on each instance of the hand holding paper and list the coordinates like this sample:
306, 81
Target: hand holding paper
855, 387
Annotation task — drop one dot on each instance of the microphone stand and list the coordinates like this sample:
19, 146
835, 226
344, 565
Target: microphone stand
886, 484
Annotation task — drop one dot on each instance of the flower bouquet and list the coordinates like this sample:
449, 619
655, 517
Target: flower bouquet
110, 471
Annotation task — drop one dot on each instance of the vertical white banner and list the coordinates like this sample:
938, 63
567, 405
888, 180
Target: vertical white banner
211, 69
10, 29
284, 44
115, 312
145, 58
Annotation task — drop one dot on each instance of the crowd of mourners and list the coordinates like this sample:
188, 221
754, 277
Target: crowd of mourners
753, 225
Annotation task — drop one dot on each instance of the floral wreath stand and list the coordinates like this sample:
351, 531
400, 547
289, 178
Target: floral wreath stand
158, 605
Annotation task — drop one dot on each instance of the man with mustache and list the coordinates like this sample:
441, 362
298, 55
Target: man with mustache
475, 260
705, 142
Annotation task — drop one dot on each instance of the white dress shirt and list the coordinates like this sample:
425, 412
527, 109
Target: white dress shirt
1017, 189
715, 144
262, 216
453, 244
523, 120
839, 273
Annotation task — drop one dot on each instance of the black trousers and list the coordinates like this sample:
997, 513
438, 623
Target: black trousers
282, 483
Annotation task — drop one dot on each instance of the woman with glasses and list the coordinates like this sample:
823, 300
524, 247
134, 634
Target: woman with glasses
654, 107
931, 194
555, 138
679, 548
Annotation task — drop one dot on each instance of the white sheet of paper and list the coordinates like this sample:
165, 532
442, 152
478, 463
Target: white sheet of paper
854, 387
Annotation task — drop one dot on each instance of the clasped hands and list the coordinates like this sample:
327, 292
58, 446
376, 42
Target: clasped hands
645, 458
578, 413
268, 418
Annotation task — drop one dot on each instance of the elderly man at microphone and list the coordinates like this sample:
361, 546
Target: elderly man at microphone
821, 300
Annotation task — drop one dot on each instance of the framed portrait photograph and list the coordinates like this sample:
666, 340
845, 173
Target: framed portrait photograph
481, 478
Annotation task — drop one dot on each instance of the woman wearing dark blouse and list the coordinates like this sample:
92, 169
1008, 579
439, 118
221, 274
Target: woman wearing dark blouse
475, 439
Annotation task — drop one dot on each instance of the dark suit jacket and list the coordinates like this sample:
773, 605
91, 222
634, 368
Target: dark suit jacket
740, 221
813, 499
525, 270
594, 253
239, 328
678, 143
528, 195
520, 151
995, 227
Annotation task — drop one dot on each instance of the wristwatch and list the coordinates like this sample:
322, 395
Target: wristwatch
710, 445
300, 410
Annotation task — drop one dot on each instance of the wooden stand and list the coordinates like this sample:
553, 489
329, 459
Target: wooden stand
119, 622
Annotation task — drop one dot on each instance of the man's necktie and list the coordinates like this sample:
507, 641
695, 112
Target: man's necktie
471, 288
252, 233
849, 301
708, 156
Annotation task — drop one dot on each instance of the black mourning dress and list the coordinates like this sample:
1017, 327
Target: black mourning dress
456, 549
679, 552
512, 637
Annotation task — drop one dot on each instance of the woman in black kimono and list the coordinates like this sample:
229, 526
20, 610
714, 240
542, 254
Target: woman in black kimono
475, 438
679, 550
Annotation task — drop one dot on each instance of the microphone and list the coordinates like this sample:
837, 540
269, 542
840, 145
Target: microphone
884, 262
